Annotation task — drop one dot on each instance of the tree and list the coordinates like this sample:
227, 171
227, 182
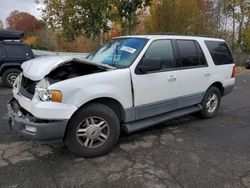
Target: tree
74, 17
172, 16
242, 17
246, 38
235, 18
127, 12
31, 41
1, 24
23, 21
183, 17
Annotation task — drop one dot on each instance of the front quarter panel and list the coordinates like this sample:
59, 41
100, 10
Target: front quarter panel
114, 84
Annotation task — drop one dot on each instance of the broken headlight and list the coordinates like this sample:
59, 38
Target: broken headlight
47, 95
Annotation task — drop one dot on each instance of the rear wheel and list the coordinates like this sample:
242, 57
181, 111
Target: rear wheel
9, 76
211, 102
93, 131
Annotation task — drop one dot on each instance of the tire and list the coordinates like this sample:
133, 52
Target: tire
9, 76
209, 111
84, 125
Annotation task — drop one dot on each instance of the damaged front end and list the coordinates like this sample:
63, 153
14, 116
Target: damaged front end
39, 73
32, 128
37, 112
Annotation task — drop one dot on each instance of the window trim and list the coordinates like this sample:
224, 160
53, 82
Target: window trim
162, 70
197, 44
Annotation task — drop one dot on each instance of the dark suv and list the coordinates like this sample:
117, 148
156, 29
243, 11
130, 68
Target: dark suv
12, 54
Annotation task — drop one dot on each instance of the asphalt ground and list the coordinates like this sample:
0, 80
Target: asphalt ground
186, 152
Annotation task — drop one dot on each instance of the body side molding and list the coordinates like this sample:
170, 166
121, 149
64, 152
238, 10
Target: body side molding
145, 123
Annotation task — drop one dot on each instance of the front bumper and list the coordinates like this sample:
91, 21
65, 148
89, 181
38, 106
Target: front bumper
46, 131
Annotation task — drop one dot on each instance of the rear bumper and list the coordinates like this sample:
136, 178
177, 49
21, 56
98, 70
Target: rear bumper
42, 131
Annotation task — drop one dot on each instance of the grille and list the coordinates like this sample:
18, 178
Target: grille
27, 87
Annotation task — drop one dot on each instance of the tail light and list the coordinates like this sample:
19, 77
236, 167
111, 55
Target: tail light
233, 72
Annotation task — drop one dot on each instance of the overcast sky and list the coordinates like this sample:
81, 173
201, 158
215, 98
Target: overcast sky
7, 6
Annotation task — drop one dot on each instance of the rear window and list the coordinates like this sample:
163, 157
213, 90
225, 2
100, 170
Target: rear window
220, 52
16, 51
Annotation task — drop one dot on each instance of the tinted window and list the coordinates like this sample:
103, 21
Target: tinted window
220, 52
15, 51
163, 50
190, 53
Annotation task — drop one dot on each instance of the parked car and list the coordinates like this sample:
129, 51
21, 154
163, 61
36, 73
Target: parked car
248, 64
128, 84
12, 54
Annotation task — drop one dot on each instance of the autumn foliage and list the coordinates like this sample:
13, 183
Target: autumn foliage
23, 21
82, 25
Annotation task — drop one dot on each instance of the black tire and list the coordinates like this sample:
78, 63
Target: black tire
206, 113
73, 142
8, 77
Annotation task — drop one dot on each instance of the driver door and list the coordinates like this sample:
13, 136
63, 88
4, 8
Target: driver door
157, 92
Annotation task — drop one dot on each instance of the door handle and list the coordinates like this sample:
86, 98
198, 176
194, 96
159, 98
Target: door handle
207, 74
171, 78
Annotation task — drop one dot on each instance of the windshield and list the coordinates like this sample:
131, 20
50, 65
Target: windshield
119, 53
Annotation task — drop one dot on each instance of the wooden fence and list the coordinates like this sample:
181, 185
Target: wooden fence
241, 58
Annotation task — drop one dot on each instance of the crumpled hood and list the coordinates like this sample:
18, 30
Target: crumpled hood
36, 69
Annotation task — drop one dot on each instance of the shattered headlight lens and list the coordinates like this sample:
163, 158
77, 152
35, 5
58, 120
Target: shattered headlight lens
48, 95
43, 94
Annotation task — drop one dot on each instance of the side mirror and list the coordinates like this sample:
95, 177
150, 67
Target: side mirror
149, 64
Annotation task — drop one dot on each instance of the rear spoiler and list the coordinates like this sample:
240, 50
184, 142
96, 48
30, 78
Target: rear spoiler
6, 34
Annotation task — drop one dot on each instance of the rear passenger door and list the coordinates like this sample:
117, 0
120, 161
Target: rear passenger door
193, 72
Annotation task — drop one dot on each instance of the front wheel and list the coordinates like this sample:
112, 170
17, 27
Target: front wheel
93, 131
211, 102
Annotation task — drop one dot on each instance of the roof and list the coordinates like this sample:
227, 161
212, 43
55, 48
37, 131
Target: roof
163, 36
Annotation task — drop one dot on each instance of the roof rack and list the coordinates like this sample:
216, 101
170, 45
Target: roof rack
189, 35
6, 34
163, 33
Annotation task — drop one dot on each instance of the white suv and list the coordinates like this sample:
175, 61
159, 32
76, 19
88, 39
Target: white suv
128, 84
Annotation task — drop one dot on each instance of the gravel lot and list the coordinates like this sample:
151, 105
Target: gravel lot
188, 152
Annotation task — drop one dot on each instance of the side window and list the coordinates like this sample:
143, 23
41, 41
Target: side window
220, 52
190, 53
163, 50
16, 51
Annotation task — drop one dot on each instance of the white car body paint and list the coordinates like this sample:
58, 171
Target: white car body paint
116, 84
36, 69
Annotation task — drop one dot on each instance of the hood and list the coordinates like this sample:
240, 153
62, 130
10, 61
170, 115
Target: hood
36, 69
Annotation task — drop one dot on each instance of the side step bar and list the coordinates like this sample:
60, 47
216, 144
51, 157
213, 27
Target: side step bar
149, 122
